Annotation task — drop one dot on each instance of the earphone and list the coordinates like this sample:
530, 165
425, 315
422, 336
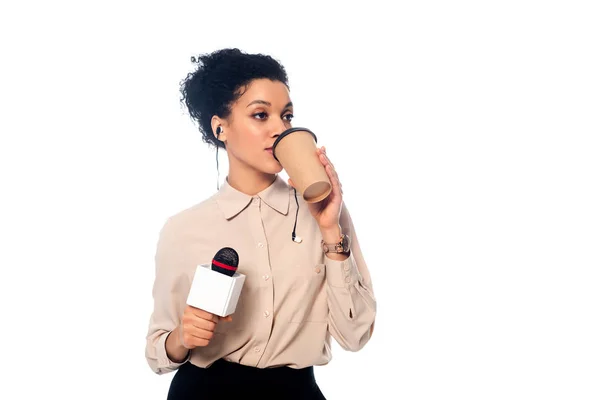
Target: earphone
219, 130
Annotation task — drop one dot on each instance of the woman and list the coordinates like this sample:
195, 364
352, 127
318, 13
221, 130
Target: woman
297, 295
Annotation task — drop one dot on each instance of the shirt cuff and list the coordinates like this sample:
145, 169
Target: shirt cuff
164, 360
342, 274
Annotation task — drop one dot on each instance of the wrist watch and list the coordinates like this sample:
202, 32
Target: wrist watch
343, 246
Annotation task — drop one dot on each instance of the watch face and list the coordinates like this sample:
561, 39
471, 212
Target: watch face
346, 243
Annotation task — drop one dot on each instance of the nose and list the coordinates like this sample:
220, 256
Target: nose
278, 130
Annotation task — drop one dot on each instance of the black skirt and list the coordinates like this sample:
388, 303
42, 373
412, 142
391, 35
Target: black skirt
227, 380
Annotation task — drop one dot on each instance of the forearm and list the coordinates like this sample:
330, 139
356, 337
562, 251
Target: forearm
175, 349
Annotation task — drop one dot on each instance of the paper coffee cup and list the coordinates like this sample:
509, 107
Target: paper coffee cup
296, 151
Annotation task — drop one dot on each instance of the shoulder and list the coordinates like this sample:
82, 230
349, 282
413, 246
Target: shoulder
204, 213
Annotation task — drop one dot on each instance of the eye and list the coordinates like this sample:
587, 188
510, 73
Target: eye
289, 116
260, 113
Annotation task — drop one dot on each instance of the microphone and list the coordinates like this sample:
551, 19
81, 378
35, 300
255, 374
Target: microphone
226, 261
216, 286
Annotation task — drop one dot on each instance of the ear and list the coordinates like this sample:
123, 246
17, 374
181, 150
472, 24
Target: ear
215, 123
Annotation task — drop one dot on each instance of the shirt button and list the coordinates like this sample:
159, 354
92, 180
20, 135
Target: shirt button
317, 270
348, 279
261, 244
266, 313
266, 277
257, 349
346, 267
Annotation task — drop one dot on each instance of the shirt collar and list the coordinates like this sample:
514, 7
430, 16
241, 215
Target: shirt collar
231, 201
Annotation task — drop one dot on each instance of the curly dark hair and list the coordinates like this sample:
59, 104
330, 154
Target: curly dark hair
220, 79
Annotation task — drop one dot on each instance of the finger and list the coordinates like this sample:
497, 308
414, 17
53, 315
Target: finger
226, 319
335, 181
193, 336
334, 173
201, 342
329, 167
323, 159
202, 314
321, 153
337, 177
291, 183
333, 170
200, 323
328, 160
201, 334
196, 341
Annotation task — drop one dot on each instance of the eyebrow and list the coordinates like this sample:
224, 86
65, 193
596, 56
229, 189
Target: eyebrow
267, 103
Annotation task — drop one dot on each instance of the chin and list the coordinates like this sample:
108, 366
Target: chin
275, 169
270, 167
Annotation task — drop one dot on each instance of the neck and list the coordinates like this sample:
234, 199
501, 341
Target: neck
248, 180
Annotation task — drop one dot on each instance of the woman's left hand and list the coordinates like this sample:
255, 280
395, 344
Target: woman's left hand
327, 211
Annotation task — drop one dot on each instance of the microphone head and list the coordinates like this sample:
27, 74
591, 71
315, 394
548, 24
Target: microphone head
226, 261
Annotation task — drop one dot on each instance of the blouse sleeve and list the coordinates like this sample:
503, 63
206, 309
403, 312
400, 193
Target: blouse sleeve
168, 306
350, 295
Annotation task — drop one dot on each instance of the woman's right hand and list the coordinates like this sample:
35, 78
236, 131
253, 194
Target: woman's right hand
198, 326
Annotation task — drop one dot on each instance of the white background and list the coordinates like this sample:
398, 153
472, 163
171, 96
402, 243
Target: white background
465, 135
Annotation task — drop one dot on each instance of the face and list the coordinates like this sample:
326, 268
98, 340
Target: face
257, 118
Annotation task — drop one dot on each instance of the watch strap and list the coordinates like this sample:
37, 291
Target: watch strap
337, 247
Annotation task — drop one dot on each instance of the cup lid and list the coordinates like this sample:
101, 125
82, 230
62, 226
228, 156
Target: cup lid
287, 132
